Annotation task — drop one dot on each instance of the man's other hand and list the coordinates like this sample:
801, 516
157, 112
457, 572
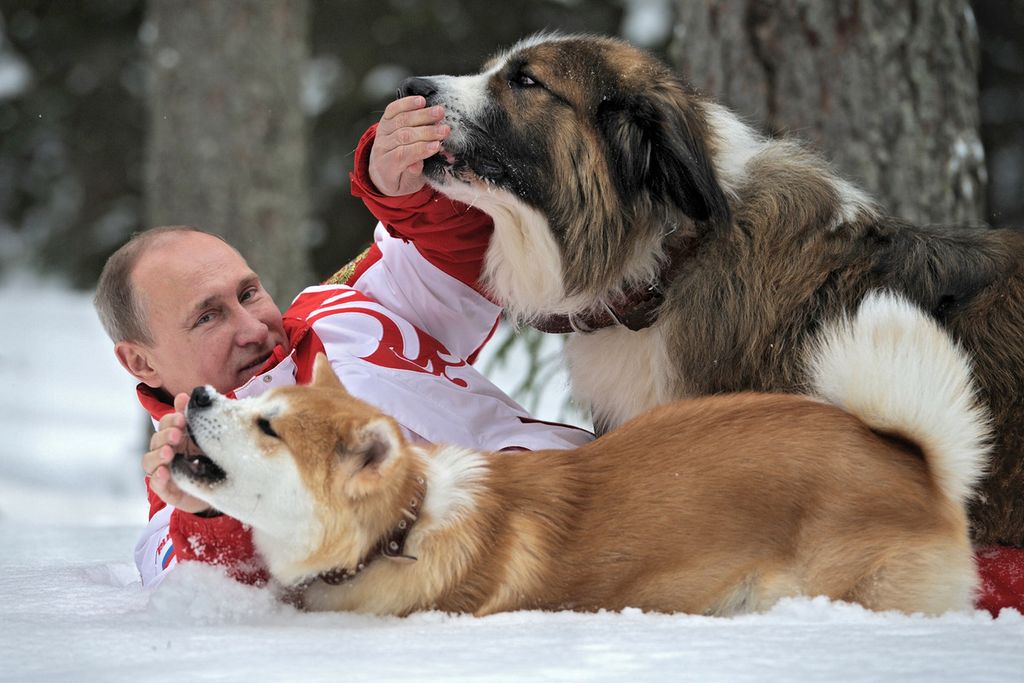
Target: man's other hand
408, 133
170, 438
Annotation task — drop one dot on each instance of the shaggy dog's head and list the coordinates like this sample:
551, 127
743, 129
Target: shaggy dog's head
587, 152
318, 474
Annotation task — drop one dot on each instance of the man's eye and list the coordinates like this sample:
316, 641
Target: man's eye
203, 319
265, 427
247, 294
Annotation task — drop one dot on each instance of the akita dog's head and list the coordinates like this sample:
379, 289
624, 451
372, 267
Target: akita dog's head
319, 475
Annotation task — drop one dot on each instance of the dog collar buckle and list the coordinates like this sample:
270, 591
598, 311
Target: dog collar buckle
643, 311
580, 324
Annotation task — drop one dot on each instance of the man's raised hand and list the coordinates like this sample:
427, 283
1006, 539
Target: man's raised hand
408, 133
170, 437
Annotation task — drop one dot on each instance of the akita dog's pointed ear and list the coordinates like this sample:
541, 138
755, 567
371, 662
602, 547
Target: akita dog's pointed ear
656, 137
374, 450
324, 375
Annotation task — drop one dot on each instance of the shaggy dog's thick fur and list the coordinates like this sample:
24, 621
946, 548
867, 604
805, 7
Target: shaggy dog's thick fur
717, 505
613, 185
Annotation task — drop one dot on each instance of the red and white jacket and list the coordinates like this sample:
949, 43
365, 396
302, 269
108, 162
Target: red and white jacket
400, 330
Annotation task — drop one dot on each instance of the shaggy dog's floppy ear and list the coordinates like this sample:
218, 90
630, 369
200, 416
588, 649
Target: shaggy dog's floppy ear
656, 145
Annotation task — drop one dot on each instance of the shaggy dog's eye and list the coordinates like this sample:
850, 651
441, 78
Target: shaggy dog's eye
265, 427
521, 80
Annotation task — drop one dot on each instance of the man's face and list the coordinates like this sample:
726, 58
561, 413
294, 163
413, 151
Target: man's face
210, 320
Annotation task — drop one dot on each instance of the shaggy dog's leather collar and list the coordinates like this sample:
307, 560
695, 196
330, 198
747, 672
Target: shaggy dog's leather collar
636, 309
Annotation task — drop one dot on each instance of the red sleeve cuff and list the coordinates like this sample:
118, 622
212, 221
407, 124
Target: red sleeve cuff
219, 540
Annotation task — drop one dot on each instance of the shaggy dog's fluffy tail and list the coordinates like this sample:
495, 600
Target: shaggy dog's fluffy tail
898, 371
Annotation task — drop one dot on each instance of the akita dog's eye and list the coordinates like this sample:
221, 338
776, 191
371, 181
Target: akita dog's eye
264, 425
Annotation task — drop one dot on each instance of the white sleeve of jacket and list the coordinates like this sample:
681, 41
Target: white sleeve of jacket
154, 552
404, 282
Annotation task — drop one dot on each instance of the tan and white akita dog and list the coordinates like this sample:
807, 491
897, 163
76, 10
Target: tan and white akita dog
718, 505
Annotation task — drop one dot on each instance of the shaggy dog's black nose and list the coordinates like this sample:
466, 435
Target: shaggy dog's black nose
417, 86
200, 398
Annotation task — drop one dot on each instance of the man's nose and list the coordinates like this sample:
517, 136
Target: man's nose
251, 330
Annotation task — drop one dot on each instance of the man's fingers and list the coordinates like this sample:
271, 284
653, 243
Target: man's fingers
412, 127
171, 428
171, 436
410, 136
408, 133
161, 455
407, 155
402, 105
164, 486
175, 419
400, 171
419, 118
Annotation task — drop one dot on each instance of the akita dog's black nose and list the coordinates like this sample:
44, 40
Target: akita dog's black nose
417, 86
200, 399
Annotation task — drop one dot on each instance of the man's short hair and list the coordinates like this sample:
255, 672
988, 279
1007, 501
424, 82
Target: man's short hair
120, 310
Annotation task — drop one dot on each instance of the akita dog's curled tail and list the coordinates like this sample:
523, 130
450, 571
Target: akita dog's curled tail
717, 505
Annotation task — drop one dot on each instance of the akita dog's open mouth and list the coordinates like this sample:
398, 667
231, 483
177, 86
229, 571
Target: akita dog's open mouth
198, 468
194, 464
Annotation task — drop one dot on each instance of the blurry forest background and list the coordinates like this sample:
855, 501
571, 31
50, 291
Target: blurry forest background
242, 115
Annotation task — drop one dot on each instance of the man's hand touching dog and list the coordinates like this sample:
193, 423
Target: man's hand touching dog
408, 133
170, 438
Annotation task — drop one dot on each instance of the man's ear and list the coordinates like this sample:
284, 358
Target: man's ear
135, 359
324, 376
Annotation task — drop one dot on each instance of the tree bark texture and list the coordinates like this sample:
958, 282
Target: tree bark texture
886, 89
227, 145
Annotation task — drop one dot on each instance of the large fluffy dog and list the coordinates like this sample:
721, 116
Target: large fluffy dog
695, 256
715, 505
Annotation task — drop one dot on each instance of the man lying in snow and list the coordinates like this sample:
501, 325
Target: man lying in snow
401, 326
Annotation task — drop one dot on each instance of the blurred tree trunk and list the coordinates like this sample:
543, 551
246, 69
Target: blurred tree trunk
227, 141
887, 89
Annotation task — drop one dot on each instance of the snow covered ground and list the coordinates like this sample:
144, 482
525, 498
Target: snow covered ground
71, 608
